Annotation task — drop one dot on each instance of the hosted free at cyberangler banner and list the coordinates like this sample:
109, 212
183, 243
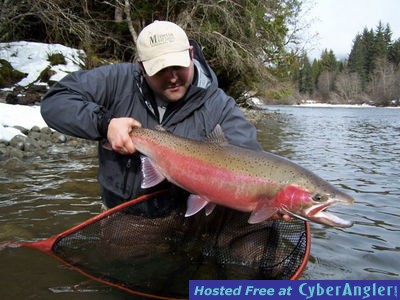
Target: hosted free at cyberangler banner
299, 289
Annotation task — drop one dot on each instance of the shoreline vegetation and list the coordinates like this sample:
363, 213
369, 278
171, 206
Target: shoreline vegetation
28, 69
257, 104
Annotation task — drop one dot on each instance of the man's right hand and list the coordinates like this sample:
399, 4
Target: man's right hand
118, 135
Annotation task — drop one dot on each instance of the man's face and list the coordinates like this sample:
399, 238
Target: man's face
172, 83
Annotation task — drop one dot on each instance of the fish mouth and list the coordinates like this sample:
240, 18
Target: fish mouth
317, 213
327, 218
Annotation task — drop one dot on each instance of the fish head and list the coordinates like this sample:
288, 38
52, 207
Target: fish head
312, 205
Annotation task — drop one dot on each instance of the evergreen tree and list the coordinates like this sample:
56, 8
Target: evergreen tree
315, 71
305, 78
357, 59
328, 61
371, 51
375, 58
328, 68
394, 53
388, 35
381, 42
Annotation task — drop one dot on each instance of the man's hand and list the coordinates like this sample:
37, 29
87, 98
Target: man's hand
279, 216
118, 135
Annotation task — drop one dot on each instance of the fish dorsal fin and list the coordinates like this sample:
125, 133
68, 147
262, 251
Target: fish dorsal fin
195, 203
217, 136
262, 212
151, 176
160, 128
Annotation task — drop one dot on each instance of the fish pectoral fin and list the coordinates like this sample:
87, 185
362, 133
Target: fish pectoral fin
262, 212
151, 176
209, 208
195, 203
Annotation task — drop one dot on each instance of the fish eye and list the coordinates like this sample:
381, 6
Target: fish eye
320, 198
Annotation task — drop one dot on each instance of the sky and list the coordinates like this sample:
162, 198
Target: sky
337, 22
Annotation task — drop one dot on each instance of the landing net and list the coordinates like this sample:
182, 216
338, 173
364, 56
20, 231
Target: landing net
156, 257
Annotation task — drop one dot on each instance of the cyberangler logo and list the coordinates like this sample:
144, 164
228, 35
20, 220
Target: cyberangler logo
160, 39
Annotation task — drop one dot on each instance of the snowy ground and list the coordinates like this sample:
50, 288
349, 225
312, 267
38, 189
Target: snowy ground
32, 59
317, 104
18, 115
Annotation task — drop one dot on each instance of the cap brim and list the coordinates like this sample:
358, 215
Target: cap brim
155, 65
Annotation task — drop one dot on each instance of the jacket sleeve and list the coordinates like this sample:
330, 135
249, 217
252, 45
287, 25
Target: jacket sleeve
237, 129
80, 104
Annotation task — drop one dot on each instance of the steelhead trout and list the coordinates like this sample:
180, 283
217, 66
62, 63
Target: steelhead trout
217, 173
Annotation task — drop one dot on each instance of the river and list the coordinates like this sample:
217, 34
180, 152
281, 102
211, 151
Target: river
356, 149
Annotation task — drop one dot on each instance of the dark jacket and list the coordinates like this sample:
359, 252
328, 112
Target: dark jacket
82, 103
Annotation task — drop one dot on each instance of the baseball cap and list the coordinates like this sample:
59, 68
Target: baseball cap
163, 44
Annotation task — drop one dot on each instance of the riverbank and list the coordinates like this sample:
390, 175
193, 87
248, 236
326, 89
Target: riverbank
25, 135
23, 132
42, 142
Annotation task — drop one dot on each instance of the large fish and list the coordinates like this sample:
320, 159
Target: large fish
215, 172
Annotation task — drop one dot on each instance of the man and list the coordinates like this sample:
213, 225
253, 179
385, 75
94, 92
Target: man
170, 85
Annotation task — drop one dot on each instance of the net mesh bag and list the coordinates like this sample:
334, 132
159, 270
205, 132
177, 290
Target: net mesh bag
158, 256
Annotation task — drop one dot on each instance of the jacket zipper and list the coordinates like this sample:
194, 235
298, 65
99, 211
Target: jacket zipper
127, 167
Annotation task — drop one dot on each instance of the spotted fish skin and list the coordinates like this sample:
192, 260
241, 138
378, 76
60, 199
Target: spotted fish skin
217, 173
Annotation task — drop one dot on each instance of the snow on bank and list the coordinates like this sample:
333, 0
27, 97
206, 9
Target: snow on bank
32, 58
316, 104
313, 103
18, 115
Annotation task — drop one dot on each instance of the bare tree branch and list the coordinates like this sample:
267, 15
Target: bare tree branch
127, 9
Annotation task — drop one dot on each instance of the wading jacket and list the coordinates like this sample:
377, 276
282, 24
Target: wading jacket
82, 103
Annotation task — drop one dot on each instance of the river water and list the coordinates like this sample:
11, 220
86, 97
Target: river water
356, 149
